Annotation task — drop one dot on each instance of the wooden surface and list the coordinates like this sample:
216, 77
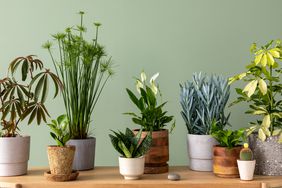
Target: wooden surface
109, 177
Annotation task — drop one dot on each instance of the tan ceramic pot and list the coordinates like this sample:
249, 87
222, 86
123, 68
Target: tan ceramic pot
225, 161
158, 155
61, 159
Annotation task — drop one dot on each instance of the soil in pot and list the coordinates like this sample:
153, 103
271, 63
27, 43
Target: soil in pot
158, 155
225, 161
61, 159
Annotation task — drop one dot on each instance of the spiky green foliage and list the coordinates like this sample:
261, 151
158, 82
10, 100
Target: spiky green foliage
246, 153
152, 117
84, 70
25, 98
130, 145
203, 102
60, 132
227, 138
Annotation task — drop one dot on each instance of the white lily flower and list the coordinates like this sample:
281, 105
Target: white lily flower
154, 77
139, 85
154, 88
143, 76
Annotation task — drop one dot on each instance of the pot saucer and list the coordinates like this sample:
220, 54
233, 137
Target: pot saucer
53, 177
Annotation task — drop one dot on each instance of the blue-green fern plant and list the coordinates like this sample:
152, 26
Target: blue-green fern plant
203, 101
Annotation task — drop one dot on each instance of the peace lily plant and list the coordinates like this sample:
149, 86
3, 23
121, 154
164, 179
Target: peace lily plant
263, 90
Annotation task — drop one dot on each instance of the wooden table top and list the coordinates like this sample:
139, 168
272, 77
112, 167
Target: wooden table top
109, 177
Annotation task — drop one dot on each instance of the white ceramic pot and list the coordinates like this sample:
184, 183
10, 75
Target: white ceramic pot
14, 155
246, 169
131, 168
84, 158
200, 151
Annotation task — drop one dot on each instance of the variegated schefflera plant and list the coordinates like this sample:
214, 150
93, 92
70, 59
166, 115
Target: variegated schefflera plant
25, 98
263, 90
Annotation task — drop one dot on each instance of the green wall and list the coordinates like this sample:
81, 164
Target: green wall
173, 37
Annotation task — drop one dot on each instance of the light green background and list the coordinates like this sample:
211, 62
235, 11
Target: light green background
173, 37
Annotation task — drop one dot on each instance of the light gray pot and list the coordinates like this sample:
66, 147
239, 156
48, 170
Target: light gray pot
84, 157
268, 155
200, 153
14, 155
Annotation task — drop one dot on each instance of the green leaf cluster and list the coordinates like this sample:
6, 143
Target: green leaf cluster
84, 69
151, 117
203, 102
228, 138
263, 90
130, 145
25, 97
60, 132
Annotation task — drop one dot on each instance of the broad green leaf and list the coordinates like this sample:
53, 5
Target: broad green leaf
143, 76
276, 132
250, 88
266, 131
24, 70
262, 86
261, 135
266, 121
258, 112
45, 89
270, 59
274, 52
124, 149
258, 58
264, 60
38, 87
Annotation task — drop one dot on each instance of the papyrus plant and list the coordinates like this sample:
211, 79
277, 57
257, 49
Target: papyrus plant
25, 98
263, 90
84, 70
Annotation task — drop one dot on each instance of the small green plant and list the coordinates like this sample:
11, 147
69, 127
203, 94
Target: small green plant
25, 98
60, 132
152, 117
246, 153
130, 145
228, 138
263, 90
203, 102
84, 68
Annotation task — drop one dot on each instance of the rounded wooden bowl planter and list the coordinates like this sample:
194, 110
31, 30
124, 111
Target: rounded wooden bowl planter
158, 155
225, 161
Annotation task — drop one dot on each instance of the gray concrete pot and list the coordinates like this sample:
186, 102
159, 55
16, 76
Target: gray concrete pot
84, 157
268, 155
200, 153
14, 155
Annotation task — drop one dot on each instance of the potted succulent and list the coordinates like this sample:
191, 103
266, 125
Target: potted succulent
152, 118
246, 163
132, 149
60, 156
263, 94
22, 99
226, 153
203, 102
84, 71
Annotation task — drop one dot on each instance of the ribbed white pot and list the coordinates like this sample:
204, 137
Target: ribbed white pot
131, 168
246, 169
200, 152
14, 155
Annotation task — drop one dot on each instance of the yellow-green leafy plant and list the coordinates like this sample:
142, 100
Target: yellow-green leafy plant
25, 98
263, 90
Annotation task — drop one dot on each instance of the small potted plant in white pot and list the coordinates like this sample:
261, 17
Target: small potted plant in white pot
203, 102
152, 118
22, 99
246, 163
84, 69
60, 156
132, 148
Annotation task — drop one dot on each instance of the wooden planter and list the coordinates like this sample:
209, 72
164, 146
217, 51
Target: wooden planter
158, 155
225, 161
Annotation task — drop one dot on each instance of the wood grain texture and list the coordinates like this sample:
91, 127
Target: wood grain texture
109, 177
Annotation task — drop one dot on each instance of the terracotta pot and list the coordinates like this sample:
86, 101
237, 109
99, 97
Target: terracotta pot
225, 161
14, 155
131, 168
61, 159
158, 155
84, 158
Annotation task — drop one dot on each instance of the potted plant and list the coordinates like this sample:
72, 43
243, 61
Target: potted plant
263, 94
84, 71
226, 153
132, 149
246, 163
22, 99
60, 156
152, 118
203, 102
